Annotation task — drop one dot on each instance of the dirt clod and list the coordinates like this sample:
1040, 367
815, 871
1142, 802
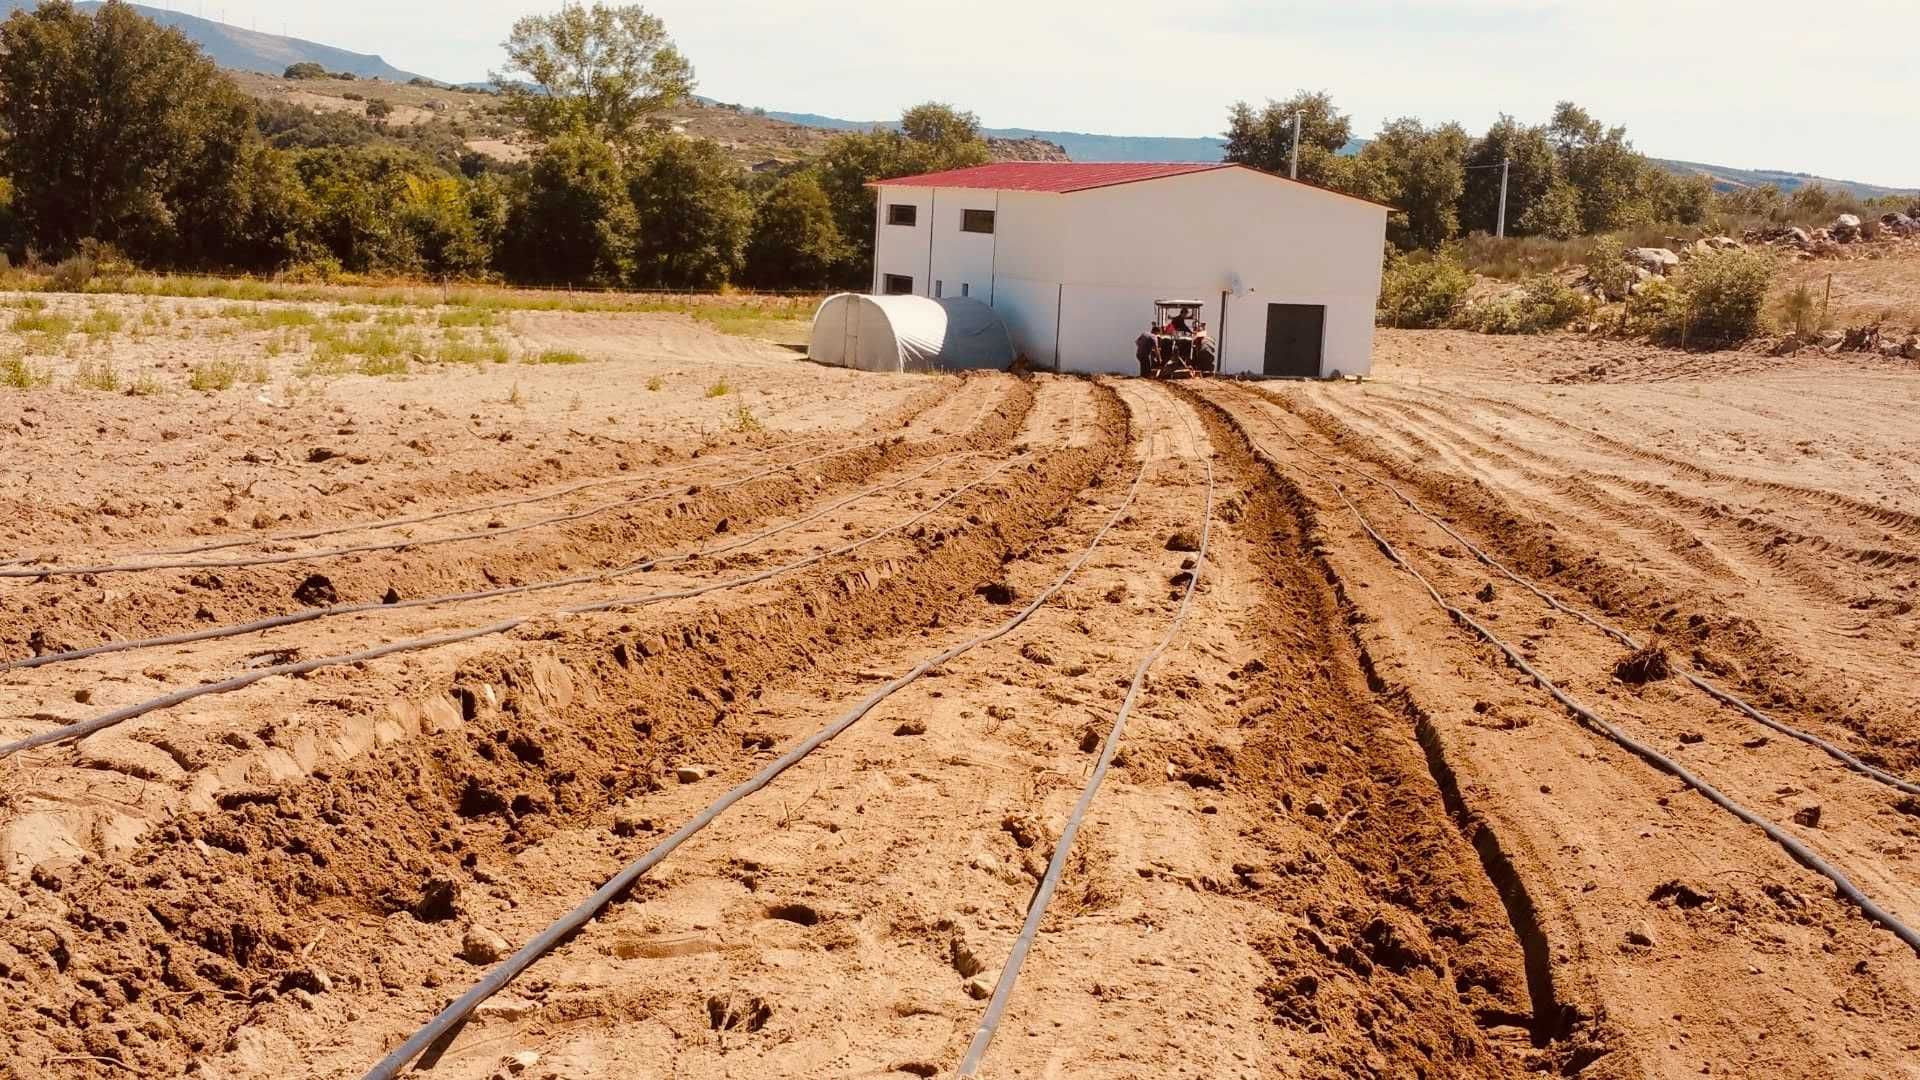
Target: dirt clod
1649, 663
481, 946
911, 727
998, 592
316, 591
1184, 540
439, 901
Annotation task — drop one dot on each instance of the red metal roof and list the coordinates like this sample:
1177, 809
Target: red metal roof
1057, 176
1069, 176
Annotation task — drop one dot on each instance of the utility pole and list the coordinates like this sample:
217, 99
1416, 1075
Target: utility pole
1506, 166
1295, 172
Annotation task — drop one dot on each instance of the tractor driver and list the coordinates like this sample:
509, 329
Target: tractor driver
1179, 324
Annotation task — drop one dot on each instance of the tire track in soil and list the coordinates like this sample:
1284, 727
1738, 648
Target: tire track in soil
78, 612
1841, 696
213, 910
1738, 943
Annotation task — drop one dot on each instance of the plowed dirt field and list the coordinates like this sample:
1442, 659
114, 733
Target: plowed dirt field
1538, 707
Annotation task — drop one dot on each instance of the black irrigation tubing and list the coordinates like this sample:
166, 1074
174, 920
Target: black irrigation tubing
1057, 865
396, 545
445, 1025
1700, 682
395, 523
240, 682
305, 615
1802, 854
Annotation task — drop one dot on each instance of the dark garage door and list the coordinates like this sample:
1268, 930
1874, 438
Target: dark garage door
1294, 337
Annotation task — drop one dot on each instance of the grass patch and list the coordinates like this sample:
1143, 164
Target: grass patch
394, 318
350, 315
214, 375
100, 321
17, 374
557, 356
466, 352
719, 389
27, 303
384, 365
744, 421
146, 384
468, 316
42, 322
101, 376
656, 383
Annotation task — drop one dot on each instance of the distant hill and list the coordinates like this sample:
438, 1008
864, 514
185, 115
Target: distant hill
250, 50
1727, 179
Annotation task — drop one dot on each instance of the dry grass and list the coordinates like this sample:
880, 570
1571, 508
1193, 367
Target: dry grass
214, 375
1858, 292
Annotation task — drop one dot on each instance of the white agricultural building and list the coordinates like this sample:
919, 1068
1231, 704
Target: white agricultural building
1073, 255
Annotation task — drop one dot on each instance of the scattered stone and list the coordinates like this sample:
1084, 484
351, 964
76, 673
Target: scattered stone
316, 591
1691, 738
1183, 540
319, 454
627, 823
481, 946
1655, 260
1642, 936
692, 774
1845, 228
911, 727
1315, 808
980, 987
1117, 594
723, 525
392, 596
521, 1061
1808, 815
1486, 593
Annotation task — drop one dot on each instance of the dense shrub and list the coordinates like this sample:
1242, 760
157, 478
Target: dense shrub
1608, 268
1423, 290
1543, 303
1657, 310
1724, 294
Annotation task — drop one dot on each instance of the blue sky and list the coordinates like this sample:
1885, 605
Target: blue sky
1830, 88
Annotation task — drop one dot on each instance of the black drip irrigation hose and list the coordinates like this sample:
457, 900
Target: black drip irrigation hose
395, 523
240, 682
1802, 854
445, 1025
1698, 681
395, 545
294, 618
1057, 865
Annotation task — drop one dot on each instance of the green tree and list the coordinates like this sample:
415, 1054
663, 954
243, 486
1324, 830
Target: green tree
855, 159
1555, 215
1531, 175
606, 70
112, 125
1263, 138
795, 243
694, 215
359, 197
1602, 166
572, 221
1422, 167
438, 213
306, 69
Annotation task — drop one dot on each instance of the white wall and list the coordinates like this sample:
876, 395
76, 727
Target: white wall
902, 249
1187, 235
963, 258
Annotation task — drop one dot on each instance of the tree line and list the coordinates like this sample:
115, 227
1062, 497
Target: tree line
118, 135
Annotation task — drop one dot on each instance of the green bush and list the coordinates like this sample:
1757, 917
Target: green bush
1608, 268
1724, 294
1657, 310
1422, 290
1543, 303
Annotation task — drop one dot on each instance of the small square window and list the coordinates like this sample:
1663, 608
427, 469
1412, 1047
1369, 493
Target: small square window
897, 285
980, 221
903, 214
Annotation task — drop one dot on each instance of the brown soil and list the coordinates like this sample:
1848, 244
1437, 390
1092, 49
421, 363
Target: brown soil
1341, 837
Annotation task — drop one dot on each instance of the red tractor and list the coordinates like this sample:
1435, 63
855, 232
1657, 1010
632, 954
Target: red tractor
1176, 346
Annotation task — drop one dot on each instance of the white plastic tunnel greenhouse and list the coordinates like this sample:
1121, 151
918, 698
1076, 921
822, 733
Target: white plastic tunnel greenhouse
909, 333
